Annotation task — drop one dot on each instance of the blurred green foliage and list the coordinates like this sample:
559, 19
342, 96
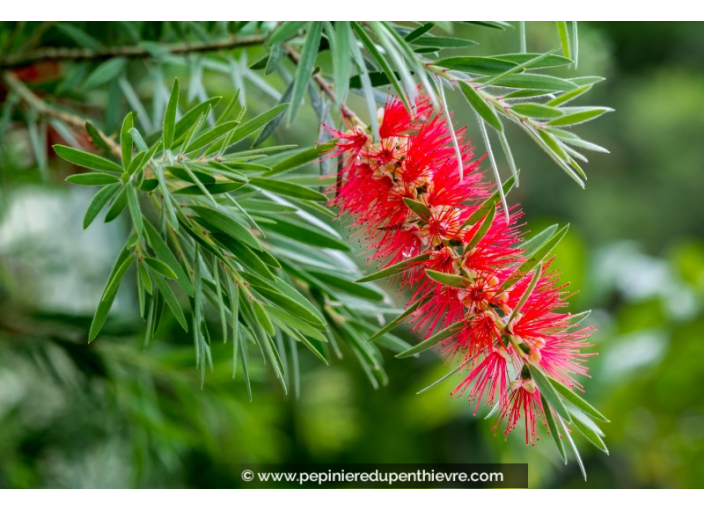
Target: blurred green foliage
112, 414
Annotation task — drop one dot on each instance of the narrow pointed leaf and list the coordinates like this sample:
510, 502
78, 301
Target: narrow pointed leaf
482, 230
135, 212
459, 282
288, 188
489, 203
419, 208
171, 300
535, 257
304, 71
577, 401
160, 267
547, 390
164, 254
170, 116
98, 202
86, 159
126, 140
552, 427
394, 269
433, 340
480, 106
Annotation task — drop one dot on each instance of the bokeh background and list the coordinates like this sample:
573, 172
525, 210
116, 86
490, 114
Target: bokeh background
113, 414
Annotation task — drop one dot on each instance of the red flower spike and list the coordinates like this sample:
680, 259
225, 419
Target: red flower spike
415, 158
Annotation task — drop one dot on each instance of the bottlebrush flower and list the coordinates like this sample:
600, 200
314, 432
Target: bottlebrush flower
403, 196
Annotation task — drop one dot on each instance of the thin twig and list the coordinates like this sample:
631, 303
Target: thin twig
53, 54
45, 109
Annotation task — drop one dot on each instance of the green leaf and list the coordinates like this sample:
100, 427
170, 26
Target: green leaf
288, 189
97, 138
98, 202
552, 144
547, 391
213, 189
577, 401
164, 253
433, 340
391, 325
379, 58
499, 25
291, 160
352, 288
107, 298
535, 257
245, 255
304, 70
137, 163
291, 306
568, 435
221, 222
191, 117
535, 81
535, 60
135, 212
415, 34
274, 58
263, 318
534, 242
170, 116
480, 106
306, 235
589, 430
552, 427
274, 123
564, 38
79, 36
451, 280
284, 319
482, 230
145, 278
489, 203
342, 59
210, 135
244, 130
285, 31
568, 96
586, 80
171, 300
394, 269
105, 72
116, 278
181, 173
117, 206
160, 267
419, 208
96, 179
126, 140
536, 110
476, 65
443, 42
85, 159
583, 115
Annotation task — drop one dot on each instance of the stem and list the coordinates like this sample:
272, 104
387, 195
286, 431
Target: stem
45, 109
53, 54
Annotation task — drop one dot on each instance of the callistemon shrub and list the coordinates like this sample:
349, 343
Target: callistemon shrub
479, 293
